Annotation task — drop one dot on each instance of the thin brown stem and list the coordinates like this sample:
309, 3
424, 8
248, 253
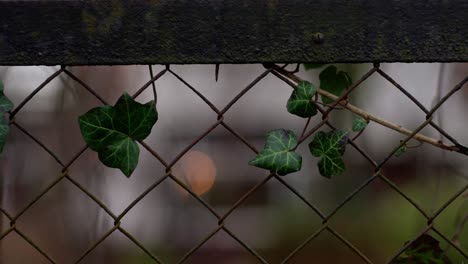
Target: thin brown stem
371, 117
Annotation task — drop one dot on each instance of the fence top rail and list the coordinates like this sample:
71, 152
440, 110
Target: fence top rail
107, 32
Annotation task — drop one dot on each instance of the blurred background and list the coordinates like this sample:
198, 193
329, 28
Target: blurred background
273, 221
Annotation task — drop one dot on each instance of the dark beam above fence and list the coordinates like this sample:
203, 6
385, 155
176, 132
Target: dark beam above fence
231, 31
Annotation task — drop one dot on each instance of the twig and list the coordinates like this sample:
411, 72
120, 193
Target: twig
368, 116
305, 127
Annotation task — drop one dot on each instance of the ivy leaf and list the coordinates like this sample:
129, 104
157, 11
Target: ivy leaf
122, 154
401, 150
310, 66
134, 119
5, 106
333, 81
359, 123
278, 154
5, 103
300, 103
4, 129
424, 250
330, 147
112, 131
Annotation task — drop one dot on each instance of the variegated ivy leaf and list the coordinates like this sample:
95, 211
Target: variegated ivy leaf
334, 81
112, 131
401, 150
329, 147
5, 103
278, 154
4, 129
359, 123
300, 103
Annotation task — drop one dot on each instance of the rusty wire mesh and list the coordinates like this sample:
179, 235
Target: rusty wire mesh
290, 79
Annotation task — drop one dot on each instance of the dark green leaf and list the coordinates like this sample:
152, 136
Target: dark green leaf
401, 150
5, 103
4, 129
330, 147
123, 155
359, 123
300, 103
112, 131
310, 66
334, 81
424, 250
97, 128
134, 119
278, 154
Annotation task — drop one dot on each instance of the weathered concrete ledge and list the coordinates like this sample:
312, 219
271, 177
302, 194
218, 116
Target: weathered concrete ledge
231, 31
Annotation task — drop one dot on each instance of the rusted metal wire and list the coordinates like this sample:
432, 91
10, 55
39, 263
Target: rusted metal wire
290, 79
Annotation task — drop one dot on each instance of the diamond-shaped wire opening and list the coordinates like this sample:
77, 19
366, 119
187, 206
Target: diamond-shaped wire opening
219, 248
451, 221
85, 169
36, 174
13, 243
274, 225
324, 247
385, 228
123, 251
57, 213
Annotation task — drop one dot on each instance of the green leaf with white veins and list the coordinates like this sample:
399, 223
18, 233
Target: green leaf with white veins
330, 147
123, 154
4, 129
359, 123
278, 154
134, 119
112, 131
334, 81
5, 103
300, 103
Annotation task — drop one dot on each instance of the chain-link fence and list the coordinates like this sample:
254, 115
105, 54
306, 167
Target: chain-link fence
44, 178
310, 127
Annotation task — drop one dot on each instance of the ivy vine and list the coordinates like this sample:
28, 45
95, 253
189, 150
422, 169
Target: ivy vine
278, 154
328, 146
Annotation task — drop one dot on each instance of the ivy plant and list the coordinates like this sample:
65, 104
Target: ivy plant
112, 131
424, 250
359, 123
300, 103
278, 153
329, 147
5, 106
